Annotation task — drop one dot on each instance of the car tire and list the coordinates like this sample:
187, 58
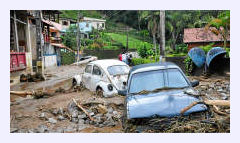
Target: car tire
99, 92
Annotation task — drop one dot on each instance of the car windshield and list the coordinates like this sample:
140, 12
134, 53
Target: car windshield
118, 70
156, 80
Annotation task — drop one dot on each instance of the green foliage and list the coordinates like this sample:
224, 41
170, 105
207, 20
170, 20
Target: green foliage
73, 14
228, 52
189, 65
138, 61
181, 48
207, 47
69, 39
145, 51
67, 58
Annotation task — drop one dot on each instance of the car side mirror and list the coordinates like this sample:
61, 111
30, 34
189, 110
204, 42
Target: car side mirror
195, 83
122, 92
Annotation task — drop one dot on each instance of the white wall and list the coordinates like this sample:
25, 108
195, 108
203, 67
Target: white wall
50, 61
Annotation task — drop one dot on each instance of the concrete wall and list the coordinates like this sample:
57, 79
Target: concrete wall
50, 61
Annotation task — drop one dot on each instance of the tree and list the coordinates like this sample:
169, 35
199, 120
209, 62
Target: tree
221, 26
162, 32
153, 19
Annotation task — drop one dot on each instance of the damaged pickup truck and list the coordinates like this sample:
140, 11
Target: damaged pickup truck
159, 89
105, 77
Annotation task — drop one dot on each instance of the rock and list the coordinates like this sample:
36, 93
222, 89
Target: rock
55, 112
60, 111
60, 130
13, 130
110, 110
81, 121
71, 128
102, 109
43, 116
82, 116
60, 118
74, 120
42, 128
81, 127
72, 107
86, 122
91, 114
75, 114
51, 120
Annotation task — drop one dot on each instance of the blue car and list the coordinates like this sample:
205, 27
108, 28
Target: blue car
159, 89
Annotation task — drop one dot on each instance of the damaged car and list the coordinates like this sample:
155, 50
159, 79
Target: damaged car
159, 89
105, 77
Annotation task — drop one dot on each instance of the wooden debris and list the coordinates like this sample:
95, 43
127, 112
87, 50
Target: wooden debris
207, 102
79, 106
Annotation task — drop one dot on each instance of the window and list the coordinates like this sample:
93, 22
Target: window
64, 23
118, 70
88, 69
96, 70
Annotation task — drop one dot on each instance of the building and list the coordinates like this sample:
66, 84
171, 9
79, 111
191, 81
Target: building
195, 37
98, 24
30, 53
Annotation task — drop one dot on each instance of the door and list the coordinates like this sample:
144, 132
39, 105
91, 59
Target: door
96, 77
87, 75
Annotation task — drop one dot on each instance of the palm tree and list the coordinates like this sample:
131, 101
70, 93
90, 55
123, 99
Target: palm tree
221, 26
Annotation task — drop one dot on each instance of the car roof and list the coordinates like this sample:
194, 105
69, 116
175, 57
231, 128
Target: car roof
162, 65
108, 62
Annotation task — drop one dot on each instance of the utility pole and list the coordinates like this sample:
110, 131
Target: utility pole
78, 37
162, 35
40, 62
16, 32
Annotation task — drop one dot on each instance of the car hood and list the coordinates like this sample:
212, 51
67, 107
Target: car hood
164, 104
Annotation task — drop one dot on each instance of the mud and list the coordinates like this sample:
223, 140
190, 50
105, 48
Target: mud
51, 114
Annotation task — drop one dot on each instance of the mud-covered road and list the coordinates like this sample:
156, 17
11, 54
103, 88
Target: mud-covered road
58, 112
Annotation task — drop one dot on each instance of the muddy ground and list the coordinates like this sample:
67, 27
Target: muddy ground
58, 113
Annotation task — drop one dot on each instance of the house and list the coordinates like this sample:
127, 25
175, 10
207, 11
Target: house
195, 37
28, 51
98, 24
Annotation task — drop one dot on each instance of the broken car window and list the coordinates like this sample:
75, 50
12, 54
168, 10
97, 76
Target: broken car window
96, 70
118, 70
88, 69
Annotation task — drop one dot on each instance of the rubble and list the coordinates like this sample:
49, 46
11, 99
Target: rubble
51, 120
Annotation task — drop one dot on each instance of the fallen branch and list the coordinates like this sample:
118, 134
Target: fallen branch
79, 106
21, 93
216, 109
207, 102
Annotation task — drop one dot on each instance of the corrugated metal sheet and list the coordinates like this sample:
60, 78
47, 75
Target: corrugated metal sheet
198, 56
17, 61
214, 52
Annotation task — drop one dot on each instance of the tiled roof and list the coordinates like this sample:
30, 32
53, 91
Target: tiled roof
201, 35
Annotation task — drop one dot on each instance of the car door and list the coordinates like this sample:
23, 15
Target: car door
86, 78
96, 77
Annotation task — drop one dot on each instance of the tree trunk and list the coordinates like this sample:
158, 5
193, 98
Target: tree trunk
155, 48
173, 41
162, 33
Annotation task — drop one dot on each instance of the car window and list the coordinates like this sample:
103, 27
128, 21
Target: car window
118, 70
175, 78
96, 70
88, 69
147, 81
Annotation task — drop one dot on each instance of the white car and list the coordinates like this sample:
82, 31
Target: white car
105, 77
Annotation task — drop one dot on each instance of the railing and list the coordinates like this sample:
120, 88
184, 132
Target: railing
17, 61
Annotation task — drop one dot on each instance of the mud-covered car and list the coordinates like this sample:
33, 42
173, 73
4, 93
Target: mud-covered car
105, 77
159, 89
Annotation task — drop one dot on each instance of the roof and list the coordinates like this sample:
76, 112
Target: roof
164, 65
57, 26
192, 35
93, 19
106, 63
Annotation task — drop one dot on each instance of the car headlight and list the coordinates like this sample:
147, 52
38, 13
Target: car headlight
110, 87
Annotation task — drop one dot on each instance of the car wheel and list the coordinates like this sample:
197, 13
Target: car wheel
99, 92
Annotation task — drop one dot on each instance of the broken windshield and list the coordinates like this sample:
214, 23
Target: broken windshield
156, 80
118, 70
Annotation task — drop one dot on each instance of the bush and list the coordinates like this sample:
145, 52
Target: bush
67, 58
138, 61
207, 47
145, 51
189, 65
181, 48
